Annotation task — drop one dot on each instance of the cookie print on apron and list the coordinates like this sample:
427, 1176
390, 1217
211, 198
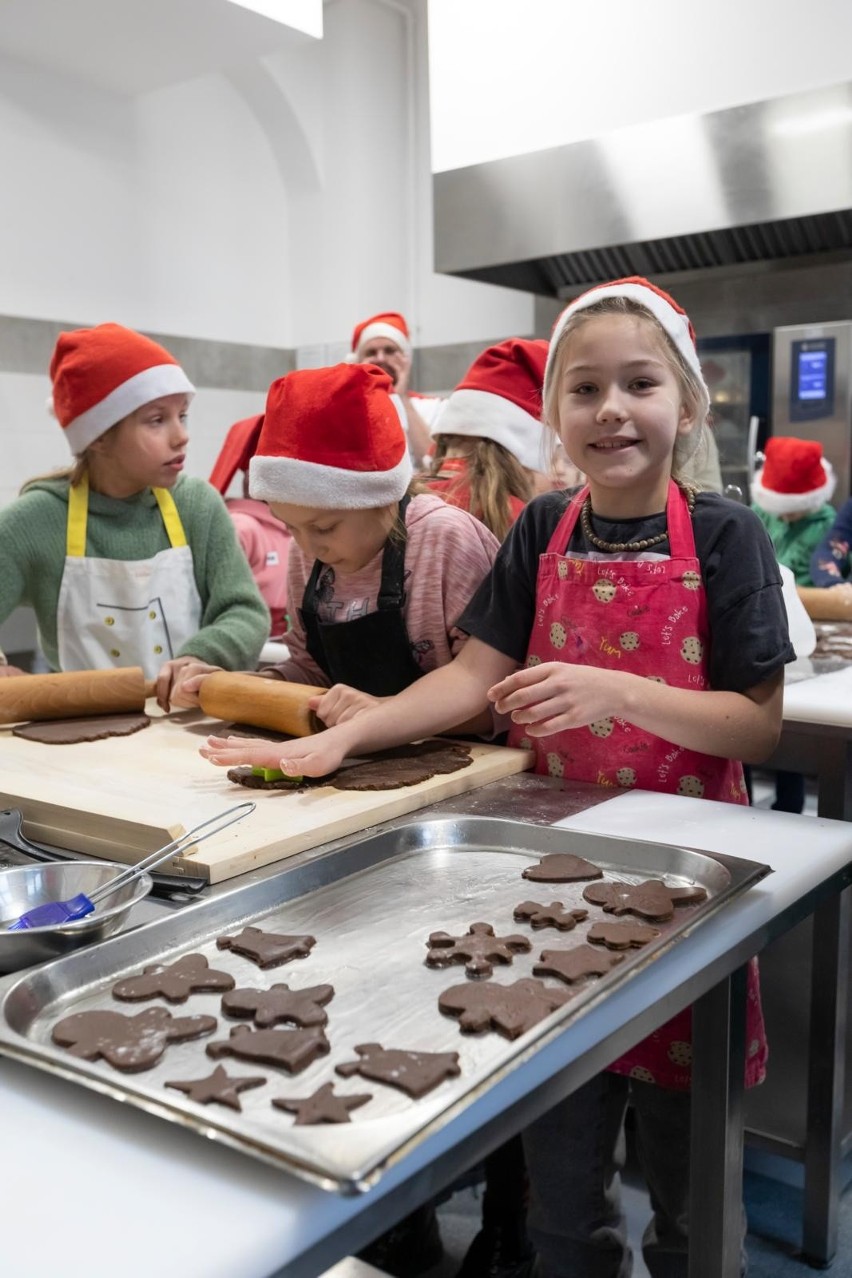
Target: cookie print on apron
648, 617
117, 612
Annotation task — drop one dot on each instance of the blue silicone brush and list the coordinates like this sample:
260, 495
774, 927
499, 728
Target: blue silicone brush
55, 913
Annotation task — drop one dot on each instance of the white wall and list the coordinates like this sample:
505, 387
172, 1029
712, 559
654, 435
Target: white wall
567, 71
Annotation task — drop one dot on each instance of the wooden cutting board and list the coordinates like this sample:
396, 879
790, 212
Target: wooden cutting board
125, 797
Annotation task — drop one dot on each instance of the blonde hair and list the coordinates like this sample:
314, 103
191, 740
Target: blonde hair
73, 473
693, 392
493, 476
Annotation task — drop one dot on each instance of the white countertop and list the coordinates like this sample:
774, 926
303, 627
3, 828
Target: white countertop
822, 699
86, 1174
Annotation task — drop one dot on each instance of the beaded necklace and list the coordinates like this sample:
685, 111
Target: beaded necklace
616, 546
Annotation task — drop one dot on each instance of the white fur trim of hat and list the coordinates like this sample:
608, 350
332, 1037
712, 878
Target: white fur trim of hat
788, 503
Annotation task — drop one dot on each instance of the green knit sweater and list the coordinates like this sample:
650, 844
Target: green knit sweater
795, 542
234, 618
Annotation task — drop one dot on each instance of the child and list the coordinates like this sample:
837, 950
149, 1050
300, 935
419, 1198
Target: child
264, 539
377, 579
790, 496
831, 561
491, 451
633, 615
120, 571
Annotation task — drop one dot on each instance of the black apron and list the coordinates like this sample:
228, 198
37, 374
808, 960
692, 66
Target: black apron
370, 653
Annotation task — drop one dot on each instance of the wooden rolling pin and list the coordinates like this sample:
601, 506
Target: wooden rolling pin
825, 604
67, 696
263, 703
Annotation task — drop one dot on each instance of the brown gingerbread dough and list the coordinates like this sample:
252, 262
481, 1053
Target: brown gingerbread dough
479, 949
279, 1003
649, 900
322, 1106
293, 1050
561, 867
387, 770
267, 949
217, 1088
415, 1073
553, 915
509, 1009
621, 936
572, 965
89, 728
128, 1043
174, 981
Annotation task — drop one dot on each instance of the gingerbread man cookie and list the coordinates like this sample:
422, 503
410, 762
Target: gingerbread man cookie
128, 1043
621, 936
293, 1050
322, 1106
415, 1073
217, 1088
479, 949
573, 965
509, 1009
267, 949
649, 900
280, 1003
553, 915
561, 867
174, 981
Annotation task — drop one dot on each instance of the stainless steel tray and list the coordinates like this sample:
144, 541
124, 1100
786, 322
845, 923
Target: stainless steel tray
371, 905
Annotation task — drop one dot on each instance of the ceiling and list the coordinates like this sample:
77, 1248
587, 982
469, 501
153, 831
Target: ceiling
129, 47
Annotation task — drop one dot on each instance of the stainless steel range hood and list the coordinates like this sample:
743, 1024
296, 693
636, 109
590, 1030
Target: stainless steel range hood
765, 183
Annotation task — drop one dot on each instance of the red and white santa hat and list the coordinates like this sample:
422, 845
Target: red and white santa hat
499, 398
101, 375
236, 452
332, 438
795, 477
389, 324
662, 306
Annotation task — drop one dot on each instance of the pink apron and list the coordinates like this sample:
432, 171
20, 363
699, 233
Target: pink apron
647, 617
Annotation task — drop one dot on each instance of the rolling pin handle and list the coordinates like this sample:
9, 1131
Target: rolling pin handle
150, 688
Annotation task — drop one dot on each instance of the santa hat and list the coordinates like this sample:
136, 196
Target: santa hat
664, 308
389, 324
795, 477
236, 452
332, 438
499, 398
101, 375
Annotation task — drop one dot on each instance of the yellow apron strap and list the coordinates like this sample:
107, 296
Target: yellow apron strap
78, 510
171, 518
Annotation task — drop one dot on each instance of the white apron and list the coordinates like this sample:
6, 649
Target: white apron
117, 612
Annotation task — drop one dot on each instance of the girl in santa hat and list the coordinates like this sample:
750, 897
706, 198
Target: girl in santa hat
492, 451
125, 561
636, 634
377, 579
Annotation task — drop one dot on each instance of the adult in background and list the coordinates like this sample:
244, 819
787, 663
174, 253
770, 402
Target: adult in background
264, 539
384, 340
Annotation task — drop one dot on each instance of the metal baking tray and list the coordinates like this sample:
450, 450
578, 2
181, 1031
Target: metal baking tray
371, 905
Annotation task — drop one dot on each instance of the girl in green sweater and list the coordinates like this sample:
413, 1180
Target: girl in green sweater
791, 496
125, 562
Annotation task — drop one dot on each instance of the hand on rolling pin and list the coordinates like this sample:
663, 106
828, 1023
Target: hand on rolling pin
843, 590
551, 697
189, 676
341, 703
306, 756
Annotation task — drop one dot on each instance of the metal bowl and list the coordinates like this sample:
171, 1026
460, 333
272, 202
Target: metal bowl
25, 886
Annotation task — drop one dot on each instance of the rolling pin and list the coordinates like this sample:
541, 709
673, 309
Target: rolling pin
263, 703
69, 695
825, 603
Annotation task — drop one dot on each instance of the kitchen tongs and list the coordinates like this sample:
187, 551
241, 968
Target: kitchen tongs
55, 913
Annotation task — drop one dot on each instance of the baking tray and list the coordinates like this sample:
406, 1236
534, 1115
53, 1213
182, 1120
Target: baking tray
371, 905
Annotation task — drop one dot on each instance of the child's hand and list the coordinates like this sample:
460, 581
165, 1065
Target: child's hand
307, 757
554, 696
188, 679
341, 703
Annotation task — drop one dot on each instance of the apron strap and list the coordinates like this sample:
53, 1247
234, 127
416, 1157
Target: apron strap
78, 515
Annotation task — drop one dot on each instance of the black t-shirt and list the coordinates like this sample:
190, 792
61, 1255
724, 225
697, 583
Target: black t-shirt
746, 614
